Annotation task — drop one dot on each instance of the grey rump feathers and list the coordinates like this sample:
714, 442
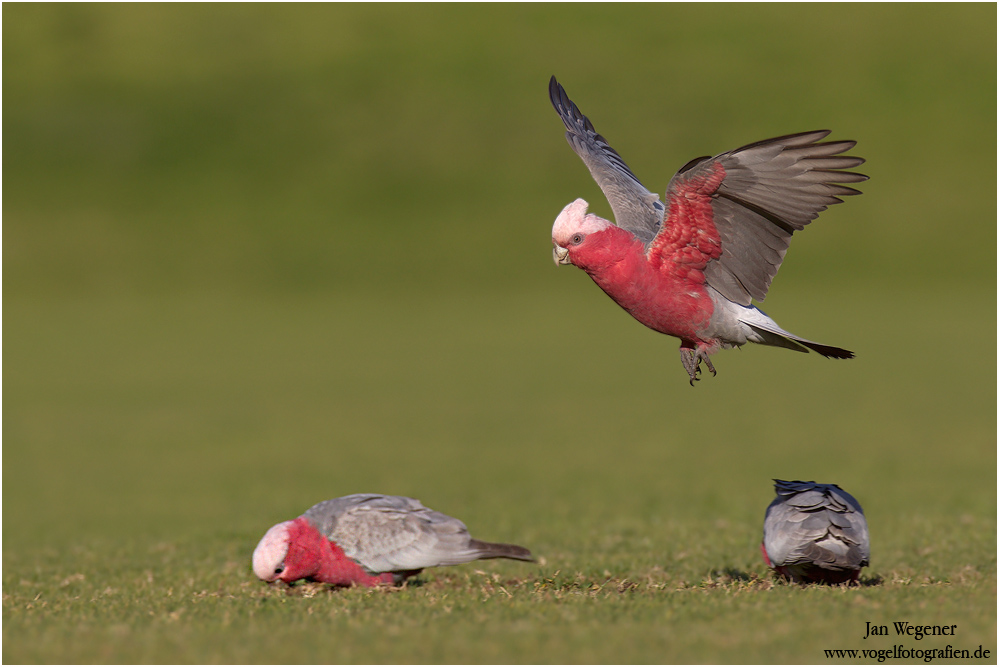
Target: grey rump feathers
816, 532
395, 533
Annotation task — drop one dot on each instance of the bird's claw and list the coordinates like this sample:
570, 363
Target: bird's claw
691, 360
690, 363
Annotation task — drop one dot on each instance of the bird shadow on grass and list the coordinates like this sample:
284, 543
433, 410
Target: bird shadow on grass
865, 582
733, 575
871, 581
310, 589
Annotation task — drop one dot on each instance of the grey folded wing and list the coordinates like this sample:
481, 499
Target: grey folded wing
395, 533
636, 209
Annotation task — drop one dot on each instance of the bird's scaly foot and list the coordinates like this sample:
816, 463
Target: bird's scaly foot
690, 363
691, 360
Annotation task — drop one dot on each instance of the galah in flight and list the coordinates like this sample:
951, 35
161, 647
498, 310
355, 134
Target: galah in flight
690, 265
815, 533
369, 539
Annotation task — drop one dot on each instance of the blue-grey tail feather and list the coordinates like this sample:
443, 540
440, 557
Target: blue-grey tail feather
781, 338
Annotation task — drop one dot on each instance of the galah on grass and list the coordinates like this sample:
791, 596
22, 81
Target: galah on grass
369, 539
689, 266
815, 533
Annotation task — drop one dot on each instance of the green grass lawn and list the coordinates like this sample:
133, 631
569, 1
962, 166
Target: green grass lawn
158, 461
258, 257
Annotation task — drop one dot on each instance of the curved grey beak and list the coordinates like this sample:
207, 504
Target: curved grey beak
561, 255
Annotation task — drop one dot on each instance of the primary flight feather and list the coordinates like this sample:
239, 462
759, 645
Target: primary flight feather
689, 265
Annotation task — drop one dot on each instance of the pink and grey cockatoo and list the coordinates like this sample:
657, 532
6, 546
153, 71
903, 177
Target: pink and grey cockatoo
815, 533
369, 539
689, 266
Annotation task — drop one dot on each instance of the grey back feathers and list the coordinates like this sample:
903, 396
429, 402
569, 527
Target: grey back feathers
394, 534
771, 189
816, 524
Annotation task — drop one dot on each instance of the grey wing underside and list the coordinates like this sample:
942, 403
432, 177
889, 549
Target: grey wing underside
395, 533
816, 523
771, 189
636, 209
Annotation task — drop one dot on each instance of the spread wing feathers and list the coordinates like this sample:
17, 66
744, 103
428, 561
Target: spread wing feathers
394, 533
635, 208
818, 524
767, 191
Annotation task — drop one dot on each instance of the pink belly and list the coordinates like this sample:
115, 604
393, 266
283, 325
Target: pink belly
662, 304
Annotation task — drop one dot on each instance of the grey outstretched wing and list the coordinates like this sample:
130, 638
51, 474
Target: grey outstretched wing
759, 195
635, 208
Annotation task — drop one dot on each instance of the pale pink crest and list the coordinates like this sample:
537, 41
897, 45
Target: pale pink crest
574, 220
271, 551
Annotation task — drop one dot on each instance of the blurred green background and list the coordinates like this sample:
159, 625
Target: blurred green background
259, 256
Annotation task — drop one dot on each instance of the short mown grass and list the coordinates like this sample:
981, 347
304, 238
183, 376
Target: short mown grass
192, 606
131, 540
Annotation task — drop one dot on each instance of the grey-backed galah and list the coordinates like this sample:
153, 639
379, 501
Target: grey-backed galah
691, 265
369, 539
815, 533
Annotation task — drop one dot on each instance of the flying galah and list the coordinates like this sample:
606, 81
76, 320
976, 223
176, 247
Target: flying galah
689, 266
815, 533
369, 539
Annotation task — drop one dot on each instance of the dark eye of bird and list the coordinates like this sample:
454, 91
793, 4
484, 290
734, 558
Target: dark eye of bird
577, 239
279, 570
